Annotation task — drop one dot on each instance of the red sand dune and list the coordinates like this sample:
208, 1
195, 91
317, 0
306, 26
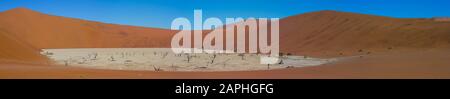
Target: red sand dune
329, 33
47, 31
395, 48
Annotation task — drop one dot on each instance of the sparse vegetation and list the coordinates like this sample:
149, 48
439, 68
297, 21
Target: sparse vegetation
48, 53
136, 60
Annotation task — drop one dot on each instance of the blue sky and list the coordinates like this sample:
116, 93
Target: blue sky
160, 13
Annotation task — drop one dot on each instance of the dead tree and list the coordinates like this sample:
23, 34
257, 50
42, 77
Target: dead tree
157, 68
281, 62
95, 56
182, 52
188, 58
225, 62
112, 58
165, 54
213, 58
173, 67
48, 53
66, 63
242, 56
83, 60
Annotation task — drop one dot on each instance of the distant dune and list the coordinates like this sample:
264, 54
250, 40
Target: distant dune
442, 19
331, 33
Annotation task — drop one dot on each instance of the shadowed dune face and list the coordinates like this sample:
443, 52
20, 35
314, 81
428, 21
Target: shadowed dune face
13, 50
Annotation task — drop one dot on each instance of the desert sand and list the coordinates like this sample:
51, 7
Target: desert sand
381, 47
424, 65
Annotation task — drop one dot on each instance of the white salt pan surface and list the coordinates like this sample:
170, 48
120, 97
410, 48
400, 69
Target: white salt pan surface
163, 59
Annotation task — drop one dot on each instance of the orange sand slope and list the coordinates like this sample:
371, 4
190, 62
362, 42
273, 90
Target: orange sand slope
12, 50
409, 48
47, 31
